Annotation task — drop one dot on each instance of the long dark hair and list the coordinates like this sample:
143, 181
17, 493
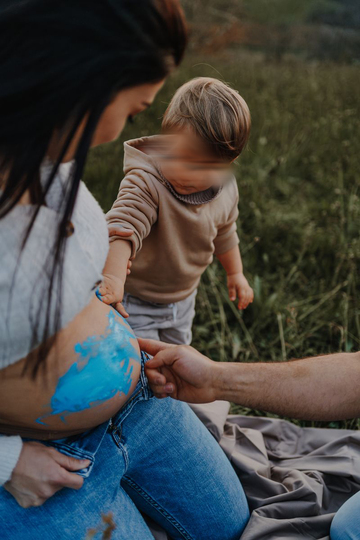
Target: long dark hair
62, 62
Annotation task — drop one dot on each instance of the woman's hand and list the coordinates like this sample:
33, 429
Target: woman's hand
180, 371
41, 472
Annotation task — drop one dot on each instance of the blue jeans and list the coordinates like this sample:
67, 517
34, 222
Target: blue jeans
346, 523
155, 457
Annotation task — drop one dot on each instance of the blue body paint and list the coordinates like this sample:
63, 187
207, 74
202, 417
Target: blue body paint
101, 372
97, 292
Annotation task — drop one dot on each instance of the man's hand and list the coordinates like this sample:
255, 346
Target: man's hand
179, 371
239, 287
41, 472
111, 292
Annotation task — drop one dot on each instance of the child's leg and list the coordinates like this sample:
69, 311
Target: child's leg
179, 331
180, 334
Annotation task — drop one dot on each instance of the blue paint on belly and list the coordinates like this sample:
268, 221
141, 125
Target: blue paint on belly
101, 372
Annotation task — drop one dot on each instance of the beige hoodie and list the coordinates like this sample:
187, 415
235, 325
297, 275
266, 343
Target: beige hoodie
173, 241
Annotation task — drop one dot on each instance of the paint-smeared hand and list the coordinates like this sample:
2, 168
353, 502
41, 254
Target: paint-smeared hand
41, 472
111, 292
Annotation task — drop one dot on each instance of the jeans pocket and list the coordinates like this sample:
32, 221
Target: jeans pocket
83, 446
67, 450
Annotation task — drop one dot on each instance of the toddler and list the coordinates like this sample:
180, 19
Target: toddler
180, 200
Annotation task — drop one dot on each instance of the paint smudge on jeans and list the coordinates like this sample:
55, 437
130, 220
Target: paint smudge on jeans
101, 372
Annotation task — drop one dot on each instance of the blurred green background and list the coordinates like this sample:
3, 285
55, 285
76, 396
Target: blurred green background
297, 65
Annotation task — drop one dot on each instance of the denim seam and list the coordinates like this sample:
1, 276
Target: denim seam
142, 392
72, 451
116, 434
120, 418
125, 455
158, 507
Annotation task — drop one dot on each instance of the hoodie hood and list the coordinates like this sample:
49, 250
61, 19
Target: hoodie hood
135, 156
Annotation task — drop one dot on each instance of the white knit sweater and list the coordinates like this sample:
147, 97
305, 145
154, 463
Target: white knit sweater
84, 260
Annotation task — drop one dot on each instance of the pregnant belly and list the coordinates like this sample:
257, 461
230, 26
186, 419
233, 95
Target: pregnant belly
89, 375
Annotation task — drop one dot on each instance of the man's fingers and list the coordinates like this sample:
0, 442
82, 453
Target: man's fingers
122, 232
152, 347
163, 391
120, 309
155, 377
166, 357
158, 382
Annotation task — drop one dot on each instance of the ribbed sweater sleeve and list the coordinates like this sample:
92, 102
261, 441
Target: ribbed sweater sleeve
10, 449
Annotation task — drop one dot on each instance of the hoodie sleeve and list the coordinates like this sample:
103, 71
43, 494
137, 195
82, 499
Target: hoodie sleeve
227, 237
135, 208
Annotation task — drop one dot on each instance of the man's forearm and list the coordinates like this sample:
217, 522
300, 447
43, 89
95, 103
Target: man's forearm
118, 258
322, 388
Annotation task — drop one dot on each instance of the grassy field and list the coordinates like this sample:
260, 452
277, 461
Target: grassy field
299, 210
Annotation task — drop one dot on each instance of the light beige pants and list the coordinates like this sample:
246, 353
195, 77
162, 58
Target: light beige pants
165, 322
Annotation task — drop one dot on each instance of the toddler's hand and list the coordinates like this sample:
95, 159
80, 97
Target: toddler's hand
239, 287
111, 291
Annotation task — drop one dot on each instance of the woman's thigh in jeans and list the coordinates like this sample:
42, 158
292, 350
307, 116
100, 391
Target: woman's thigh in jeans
69, 514
346, 523
177, 473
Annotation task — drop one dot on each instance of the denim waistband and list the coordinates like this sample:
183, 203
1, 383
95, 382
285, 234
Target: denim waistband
86, 445
142, 392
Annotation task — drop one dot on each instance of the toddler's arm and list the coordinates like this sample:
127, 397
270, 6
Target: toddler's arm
135, 209
237, 283
227, 251
111, 290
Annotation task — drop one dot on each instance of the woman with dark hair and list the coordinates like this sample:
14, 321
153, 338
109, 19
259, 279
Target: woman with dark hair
74, 400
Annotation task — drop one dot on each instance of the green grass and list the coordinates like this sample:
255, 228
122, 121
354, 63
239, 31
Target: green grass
299, 210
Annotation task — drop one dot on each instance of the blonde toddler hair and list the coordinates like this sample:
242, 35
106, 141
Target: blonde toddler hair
215, 112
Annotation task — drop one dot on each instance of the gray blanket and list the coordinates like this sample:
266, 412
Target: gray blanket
295, 478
